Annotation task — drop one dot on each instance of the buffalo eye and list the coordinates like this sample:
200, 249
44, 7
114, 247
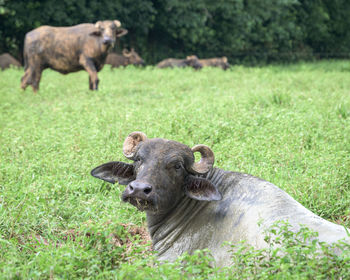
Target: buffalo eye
177, 166
137, 159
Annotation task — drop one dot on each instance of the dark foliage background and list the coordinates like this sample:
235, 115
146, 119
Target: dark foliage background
246, 31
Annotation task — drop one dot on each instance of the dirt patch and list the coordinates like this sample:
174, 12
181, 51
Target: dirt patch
343, 220
133, 232
128, 236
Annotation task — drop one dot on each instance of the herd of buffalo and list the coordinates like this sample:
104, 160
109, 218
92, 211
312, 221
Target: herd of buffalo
85, 47
189, 204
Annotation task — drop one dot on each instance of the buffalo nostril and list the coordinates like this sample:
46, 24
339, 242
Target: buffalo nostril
131, 188
147, 190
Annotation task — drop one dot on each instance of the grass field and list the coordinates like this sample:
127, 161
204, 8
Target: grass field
289, 125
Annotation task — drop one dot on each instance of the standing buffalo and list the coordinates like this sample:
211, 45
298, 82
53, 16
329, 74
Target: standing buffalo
117, 60
220, 62
69, 49
191, 205
191, 61
6, 60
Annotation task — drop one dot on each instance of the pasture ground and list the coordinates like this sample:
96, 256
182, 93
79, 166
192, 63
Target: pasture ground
289, 125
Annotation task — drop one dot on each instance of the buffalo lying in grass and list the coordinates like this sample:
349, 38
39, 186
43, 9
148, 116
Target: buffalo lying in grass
220, 62
191, 205
190, 61
68, 49
7, 60
127, 58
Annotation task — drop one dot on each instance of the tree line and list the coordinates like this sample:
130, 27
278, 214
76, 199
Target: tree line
246, 31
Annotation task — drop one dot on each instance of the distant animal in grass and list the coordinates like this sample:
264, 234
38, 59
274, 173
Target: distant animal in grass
7, 61
220, 62
192, 205
69, 49
127, 58
189, 61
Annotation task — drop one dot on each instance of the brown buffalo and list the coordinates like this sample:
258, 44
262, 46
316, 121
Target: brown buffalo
191, 61
69, 49
6, 60
220, 62
117, 60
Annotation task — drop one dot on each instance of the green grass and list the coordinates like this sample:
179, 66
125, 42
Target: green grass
289, 125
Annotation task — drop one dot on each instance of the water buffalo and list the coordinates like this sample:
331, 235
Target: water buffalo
6, 60
68, 49
191, 205
220, 62
117, 60
191, 61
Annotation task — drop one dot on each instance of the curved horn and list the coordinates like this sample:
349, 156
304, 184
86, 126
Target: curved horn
131, 142
206, 162
98, 24
117, 23
126, 53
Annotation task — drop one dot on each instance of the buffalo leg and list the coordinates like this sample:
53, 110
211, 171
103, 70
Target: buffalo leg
24, 80
36, 81
90, 83
27, 78
91, 69
31, 77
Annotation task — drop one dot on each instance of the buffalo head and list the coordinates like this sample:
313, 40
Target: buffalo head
162, 173
193, 61
133, 57
109, 30
224, 63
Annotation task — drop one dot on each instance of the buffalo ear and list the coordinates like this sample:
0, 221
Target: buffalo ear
115, 171
201, 189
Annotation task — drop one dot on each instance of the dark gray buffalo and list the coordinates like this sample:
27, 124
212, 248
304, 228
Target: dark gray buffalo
7, 60
191, 205
220, 62
190, 61
69, 49
127, 58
